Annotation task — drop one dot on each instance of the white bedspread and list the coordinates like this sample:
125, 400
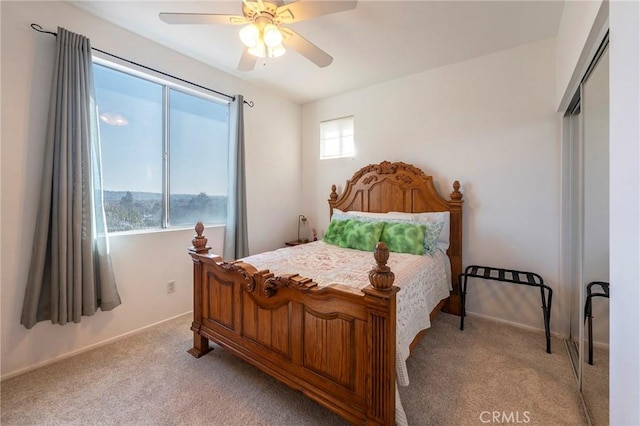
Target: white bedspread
422, 280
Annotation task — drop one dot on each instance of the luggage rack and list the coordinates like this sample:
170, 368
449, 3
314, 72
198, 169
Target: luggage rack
588, 313
509, 276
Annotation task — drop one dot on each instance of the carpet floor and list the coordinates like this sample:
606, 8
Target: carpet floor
488, 373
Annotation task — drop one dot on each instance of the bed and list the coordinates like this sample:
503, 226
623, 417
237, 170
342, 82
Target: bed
334, 343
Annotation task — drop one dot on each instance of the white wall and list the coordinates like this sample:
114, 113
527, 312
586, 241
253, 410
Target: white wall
624, 154
143, 263
574, 44
490, 123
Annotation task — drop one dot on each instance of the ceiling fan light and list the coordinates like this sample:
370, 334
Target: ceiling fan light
258, 50
277, 51
272, 35
250, 35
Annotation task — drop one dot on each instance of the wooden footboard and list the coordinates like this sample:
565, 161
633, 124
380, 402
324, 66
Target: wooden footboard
335, 344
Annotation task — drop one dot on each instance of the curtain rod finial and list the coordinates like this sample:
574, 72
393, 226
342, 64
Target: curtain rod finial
39, 29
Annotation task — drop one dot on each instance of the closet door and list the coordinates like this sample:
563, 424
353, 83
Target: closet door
595, 235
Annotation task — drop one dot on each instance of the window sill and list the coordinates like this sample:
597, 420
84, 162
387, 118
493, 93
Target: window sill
160, 230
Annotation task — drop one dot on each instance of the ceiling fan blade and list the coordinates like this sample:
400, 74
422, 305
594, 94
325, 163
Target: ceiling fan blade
306, 48
247, 61
301, 10
202, 18
250, 6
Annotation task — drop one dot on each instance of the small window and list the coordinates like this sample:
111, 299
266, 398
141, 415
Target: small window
336, 138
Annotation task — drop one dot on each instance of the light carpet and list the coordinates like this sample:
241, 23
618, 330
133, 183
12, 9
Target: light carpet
457, 378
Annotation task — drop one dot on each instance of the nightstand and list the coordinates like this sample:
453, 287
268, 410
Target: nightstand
296, 242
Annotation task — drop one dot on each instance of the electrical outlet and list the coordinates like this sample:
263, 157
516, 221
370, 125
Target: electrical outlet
171, 286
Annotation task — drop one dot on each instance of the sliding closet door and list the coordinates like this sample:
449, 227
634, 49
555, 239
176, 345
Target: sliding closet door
595, 264
586, 232
574, 219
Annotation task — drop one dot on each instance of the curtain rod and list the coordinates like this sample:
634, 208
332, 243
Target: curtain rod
39, 29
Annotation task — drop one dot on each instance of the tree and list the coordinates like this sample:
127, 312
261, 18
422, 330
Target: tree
127, 200
200, 202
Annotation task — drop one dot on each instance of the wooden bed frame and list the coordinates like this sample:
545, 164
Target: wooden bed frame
334, 344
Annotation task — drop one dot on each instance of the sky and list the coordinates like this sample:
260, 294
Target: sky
131, 137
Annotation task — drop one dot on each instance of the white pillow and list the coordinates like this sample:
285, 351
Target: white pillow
390, 215
444, 217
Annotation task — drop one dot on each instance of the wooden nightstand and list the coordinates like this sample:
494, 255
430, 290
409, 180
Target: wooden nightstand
296, 242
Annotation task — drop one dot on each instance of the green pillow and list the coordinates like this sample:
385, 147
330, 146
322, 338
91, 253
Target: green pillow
404, 237
334, 232
361, 235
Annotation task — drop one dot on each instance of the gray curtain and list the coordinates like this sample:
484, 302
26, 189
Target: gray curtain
70, 273
236, 243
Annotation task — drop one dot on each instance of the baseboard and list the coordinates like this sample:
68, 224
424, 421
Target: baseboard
514, 324
595, 344
88, 348
601, 345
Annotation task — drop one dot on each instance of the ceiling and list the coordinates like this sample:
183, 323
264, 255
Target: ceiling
375, 42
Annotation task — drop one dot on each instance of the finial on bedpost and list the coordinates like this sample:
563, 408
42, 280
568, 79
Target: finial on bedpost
334, 195
199, 241
456, 194
381, 277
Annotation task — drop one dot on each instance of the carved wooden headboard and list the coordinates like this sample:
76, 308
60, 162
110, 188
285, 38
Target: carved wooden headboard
401, 187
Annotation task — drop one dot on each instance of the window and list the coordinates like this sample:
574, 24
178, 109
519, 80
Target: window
164, 153
336, 138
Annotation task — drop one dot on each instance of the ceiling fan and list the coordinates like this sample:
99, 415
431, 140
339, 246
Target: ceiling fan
264, 32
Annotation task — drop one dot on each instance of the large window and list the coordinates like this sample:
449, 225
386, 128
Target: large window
164, 153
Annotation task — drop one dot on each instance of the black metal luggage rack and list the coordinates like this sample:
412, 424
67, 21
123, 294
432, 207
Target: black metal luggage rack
588, 313
509, 276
